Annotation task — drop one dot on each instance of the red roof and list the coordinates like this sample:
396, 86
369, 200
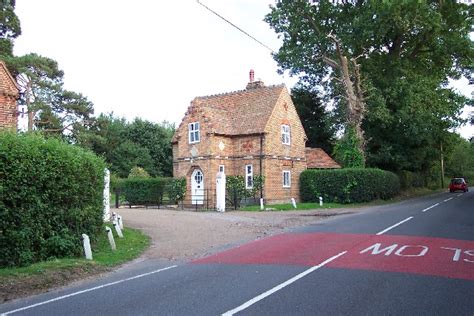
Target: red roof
8, 85
243, 112
316, 158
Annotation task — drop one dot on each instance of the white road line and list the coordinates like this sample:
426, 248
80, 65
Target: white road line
429, 208
459, 194
393, 226
448, 199
280, 286
88, 290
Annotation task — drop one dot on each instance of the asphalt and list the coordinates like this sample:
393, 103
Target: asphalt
422, 265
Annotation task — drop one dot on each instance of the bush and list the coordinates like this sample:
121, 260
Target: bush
138, 172
348, 185
176, 189
236, 190
50, 194
144, 191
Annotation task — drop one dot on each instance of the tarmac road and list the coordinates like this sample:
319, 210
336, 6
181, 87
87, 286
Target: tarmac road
411, 258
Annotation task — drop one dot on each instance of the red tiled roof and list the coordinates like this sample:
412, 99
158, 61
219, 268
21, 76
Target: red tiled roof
8, 85
316, 158
241, 112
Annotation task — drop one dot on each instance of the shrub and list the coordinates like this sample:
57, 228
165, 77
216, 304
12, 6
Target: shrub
50, 194
144, 191
348, 185
176, 189
138, 172
236, 190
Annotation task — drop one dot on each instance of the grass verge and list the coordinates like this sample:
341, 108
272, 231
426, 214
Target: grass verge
33, 279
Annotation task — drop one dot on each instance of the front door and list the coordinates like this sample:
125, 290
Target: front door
197, 187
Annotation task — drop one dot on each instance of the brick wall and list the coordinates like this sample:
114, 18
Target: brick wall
8, 109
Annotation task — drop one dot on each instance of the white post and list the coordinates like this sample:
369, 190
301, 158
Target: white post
87, 246
320, 201
220, 191
106, 195
117, 229
111, 237
262, 206
293, 202
120, 222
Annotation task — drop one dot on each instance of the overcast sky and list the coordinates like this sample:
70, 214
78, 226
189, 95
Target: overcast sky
149, 59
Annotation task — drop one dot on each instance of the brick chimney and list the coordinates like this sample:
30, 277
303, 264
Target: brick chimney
252, 83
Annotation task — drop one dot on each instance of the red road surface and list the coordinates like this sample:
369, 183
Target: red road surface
407, 254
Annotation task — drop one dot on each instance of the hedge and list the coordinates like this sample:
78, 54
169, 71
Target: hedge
348, 185
50, 194
150, 191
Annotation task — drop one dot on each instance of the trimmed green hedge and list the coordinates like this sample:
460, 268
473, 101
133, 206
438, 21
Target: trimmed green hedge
348, 185
149, 191
50, 194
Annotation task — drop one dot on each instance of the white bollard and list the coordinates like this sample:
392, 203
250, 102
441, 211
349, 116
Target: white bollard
220, 191
111, 237
120, 222
262, 206
293, 202
118, 229
320, 201
106, 195
114, 216
87, 246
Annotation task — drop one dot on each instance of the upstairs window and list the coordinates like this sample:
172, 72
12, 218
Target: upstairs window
194, 135
248, 177
286, 179
285, 135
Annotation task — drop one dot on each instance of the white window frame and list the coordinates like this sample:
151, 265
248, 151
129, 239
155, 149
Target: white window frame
194, 134
285, 134
286, 184
248, 176
222, 168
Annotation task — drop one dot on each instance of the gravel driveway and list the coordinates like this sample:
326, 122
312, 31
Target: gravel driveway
182, 235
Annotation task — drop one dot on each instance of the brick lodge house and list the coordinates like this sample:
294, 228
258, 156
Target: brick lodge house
9, 93
251, 132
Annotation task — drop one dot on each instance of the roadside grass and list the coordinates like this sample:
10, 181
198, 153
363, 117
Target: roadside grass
403, 195
128, 248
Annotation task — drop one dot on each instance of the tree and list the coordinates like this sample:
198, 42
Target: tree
128, 155
115, 139
401, 53
9, 27
157, 139
50, 107
318, 123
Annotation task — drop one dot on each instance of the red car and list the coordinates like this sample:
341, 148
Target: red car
458, 184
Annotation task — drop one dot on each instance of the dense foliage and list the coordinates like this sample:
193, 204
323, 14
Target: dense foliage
126, 145
348, 185
236, 190
406, 51
318, 122
51, 193
150, 191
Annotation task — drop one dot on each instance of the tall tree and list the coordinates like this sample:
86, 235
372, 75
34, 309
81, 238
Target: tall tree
51, 108
9, 27
125, 145
318, 122
401, 53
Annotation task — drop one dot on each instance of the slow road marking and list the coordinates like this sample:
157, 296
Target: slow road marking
390, 253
